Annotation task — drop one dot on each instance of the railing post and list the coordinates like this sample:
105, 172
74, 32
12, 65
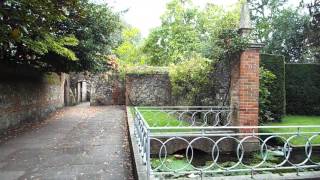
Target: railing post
148, 160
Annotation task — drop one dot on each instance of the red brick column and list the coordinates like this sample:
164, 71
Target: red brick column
245, 88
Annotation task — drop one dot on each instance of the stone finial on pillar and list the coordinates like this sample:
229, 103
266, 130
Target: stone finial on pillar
245, 20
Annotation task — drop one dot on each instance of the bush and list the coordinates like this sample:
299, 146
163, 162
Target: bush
303, 89
266, 79
191, 82
275, 64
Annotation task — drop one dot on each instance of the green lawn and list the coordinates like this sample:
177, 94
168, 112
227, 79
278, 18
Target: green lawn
160, 119
163, 119
296, 121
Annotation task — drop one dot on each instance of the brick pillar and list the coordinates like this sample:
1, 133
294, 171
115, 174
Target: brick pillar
245, 88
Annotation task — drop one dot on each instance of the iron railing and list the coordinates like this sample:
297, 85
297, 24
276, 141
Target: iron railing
163, 130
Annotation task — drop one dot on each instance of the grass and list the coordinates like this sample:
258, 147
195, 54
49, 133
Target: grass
296, 121
156, 118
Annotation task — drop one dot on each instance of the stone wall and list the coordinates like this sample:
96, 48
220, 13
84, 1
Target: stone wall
106, 89
27, 96
148, 89
99, 88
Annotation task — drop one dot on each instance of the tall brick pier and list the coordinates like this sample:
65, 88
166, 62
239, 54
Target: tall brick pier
245, 78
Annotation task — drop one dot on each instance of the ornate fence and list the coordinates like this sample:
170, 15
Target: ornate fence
163, 131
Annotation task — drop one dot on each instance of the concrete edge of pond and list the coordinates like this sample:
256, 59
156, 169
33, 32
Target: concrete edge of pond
139, 169
285, 176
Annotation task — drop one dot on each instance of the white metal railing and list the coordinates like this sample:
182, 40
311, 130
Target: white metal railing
187, 126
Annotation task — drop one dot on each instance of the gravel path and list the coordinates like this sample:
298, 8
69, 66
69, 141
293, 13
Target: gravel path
79, 142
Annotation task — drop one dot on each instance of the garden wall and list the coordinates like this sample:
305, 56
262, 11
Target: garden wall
107, 89
303, 89
276, 65
148, 89
27, 96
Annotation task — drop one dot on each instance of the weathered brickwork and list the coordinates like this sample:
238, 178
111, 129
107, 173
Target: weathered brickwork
148, 89
30, 98
245, 88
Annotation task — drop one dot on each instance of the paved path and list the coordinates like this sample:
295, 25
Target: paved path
78, 142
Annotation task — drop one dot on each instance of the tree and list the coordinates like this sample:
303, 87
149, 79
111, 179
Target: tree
52, 35
313, 33
30, 29
99, 33
177, 36
187, 30
281, 29
129, 51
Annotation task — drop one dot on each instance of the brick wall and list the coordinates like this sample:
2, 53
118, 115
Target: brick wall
245, 88
28, 96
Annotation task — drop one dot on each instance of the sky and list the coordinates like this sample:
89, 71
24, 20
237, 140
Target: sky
145, 14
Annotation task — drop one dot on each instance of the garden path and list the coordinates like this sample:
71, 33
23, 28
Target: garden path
79, 142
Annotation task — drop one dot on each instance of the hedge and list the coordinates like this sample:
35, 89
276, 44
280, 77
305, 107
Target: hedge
303, 89
276, 65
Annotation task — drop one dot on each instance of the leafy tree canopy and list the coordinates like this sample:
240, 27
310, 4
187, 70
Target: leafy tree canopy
129, 51
50, 35
187, 30
283, 29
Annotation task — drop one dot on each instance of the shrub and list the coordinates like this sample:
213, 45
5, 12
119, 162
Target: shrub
190, 81
266, 79
276, 65
303, 89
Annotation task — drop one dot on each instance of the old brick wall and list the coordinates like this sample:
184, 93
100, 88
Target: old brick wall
148, 89
28, 96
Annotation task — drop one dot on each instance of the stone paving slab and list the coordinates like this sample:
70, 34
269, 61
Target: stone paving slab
79, 142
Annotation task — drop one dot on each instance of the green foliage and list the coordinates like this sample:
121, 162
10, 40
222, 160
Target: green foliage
190, 80
30, 29
156, 118
129, 51
140, 70
172, 163
56, 45
53, 35
313, 32
188, 30
98, 32
266, 79
302, 89
282, 29
275, 64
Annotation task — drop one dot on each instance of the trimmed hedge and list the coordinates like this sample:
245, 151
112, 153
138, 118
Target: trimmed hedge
276, 65
303, 89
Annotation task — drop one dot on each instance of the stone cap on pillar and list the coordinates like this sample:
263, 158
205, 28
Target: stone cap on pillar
245, 27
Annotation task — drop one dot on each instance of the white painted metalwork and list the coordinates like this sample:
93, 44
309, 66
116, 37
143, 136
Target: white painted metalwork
212, 124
